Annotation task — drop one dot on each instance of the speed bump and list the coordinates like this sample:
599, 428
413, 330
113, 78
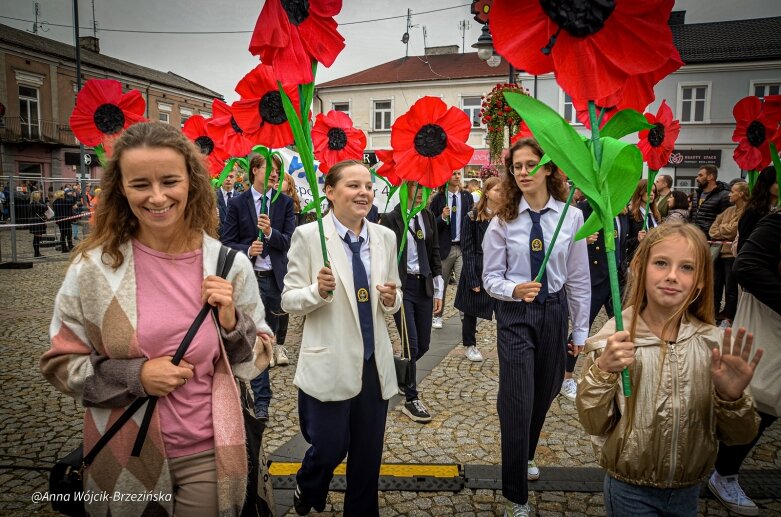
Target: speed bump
393, 476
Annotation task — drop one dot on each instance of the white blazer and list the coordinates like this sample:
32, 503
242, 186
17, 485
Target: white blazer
330, 362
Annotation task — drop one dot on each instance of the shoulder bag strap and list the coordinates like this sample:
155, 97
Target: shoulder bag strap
224, 263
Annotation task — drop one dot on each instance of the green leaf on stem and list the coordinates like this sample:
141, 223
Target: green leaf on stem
625, 122
777, 165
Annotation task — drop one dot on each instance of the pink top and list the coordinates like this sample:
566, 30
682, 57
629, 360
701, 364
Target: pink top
168, 299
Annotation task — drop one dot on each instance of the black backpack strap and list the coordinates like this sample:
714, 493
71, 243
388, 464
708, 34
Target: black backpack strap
224, 264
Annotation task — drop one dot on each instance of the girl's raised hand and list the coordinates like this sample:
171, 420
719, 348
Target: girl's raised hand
619, 353
730, 368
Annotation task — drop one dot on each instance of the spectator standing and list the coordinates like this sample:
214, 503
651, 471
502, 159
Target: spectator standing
224, 194
36, 218
63, 211
637, 218
761, 200
473, 186
677, 207
664, 185
725, 229
710, 199
450, 206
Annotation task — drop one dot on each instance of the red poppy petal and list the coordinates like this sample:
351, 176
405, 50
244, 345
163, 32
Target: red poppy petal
321, 39
587, 77
84, 128
194, 127
292, 64
747, 156
456, 124
747, 109
97, 92
325, 8
132, 104
247, 114
272, 28
522, 47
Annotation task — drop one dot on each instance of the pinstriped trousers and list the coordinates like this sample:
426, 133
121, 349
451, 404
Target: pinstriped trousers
532, 345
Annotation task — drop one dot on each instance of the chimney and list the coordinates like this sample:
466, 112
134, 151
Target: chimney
677, 18
440, 51
90, 43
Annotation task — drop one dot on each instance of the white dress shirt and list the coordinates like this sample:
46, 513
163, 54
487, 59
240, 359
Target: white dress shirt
366, 256
413, 265
454, 217
506, 261
651, 220
225, 195
262, 263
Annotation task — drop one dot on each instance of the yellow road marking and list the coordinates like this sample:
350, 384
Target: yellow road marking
394, 469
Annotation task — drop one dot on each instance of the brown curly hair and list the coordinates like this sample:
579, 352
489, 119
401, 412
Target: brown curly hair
115, 222
555, 182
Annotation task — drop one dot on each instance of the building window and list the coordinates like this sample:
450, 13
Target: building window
762, 90
206, 114
27, 169
29, 114
164, 111
344, 107
383, 115
185, 113
568, 110
471, 106
694, 103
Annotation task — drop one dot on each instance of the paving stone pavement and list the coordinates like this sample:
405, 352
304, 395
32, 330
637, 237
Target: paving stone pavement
38, 424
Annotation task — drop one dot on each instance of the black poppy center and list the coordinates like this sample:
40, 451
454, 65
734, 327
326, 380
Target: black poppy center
430, 140
271, 109
579, 17
656, 135
297, 10
205, 144
235, 126
756, 133
109, 119
337, 139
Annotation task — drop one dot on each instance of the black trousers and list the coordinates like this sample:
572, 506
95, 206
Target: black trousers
725, 281
731, 457
469, 330
354, 428
418, 309
600, 296
532, 344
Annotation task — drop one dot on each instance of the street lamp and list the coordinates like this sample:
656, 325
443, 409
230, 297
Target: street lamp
485, 45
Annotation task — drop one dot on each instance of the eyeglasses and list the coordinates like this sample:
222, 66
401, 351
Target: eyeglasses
518, 167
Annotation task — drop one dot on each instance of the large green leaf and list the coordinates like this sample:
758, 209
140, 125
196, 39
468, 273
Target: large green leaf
625, 122
559, 141
621, 168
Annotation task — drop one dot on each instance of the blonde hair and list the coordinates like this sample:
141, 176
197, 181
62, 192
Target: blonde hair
115, 222
60, 194
699, 302
480, 209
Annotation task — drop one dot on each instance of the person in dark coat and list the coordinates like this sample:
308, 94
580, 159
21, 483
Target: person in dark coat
420, 271
471, 297
710, 199
763, 197
37, 220
63, 210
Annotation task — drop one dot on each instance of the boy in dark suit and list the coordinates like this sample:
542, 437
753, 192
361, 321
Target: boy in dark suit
224, 194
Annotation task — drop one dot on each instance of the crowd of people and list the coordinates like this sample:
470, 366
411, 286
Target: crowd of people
154, 246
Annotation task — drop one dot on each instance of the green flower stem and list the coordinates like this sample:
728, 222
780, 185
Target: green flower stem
610, 243
407, 213
102, 158
555, 235
751, 176
777, 165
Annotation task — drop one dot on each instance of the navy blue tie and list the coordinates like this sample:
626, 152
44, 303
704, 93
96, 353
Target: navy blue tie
537, 253
361, 284
264, 253
420, 243
453, 219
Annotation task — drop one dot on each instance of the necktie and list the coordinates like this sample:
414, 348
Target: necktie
537, 253
265, 251
228, 196
453, 218
361, 284
420, 243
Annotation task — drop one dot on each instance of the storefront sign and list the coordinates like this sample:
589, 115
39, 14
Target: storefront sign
694, 158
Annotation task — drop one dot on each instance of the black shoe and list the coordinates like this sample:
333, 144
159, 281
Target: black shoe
301, 507
261, 413
416, 411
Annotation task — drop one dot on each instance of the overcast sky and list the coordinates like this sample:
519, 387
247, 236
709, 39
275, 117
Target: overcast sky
219, 61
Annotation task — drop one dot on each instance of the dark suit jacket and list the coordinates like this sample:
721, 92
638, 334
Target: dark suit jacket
222, 208
241, 229
597, 257
394, 221
438, 204
374, 215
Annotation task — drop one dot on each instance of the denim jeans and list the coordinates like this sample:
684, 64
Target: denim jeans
624, 499
272, 302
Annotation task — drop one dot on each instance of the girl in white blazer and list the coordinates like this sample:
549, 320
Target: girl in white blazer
345, 372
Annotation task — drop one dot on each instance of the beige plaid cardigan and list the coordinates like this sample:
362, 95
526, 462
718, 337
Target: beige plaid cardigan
95, 358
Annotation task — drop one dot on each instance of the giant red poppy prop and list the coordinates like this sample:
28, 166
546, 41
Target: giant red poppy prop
195, 130
290, 34
388, 168
592, 46
657, 143
429, 142
226, 132
259, 112
335, 139
754, 130
103, 111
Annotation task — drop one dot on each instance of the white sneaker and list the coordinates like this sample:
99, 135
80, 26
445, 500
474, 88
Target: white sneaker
569, 389
473, 354
517, 510
532, 471
728, 491
281, 356
436, 322
273, 361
